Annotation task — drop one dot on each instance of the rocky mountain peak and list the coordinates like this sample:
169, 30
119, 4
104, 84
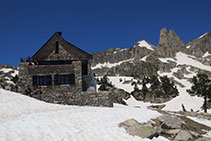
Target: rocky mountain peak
169, 43
199, 46
171, 39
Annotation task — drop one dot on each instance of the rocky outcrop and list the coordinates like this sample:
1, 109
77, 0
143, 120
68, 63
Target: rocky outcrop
142, 48
198, 47
8, 77
112, 55
170, 122
169, 125
135, 128
170, 40
183, 135
119, 95
119, 61
133, 69
169, 43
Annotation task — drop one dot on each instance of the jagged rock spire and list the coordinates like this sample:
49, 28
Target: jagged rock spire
171, 39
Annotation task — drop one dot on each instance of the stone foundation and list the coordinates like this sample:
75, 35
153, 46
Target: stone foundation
102, 98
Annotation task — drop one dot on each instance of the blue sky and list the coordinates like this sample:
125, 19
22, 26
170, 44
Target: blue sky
95, 25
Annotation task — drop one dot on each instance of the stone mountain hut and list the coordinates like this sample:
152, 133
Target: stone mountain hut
63, 71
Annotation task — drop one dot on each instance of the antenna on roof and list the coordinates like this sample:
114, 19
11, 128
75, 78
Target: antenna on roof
60, 33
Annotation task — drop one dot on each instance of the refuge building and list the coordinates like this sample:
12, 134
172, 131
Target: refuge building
62, 70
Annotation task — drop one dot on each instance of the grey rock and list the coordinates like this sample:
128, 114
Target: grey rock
170, 122
172, 131
198, 47
195, 134
128, 123
170, 39
169, 43
183, 135
134, 128
143, 131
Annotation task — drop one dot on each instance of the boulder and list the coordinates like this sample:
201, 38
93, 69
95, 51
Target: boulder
134, 128
142, 130
128, 123
183, 135
170, 122
172, 131
195, 134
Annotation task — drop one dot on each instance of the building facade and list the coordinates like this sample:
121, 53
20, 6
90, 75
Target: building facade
62, 70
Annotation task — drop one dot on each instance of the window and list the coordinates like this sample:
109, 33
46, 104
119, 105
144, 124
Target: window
34, 81
85, 67
56, 79
57, 47
64, 79
42, 80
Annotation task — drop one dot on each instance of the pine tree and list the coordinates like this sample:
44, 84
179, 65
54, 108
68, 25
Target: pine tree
201, 87
154, 81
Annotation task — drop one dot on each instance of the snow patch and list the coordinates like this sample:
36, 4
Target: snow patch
144, 58
203, 35
201, 121
143, 43
123, 49
6, 70
165, 60
184, 59
188, 46
110, 65
190, 102
206, 54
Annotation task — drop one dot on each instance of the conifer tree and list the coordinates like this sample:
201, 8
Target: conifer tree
201, 87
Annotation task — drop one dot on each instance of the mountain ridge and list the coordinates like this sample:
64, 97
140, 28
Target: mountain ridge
148, 56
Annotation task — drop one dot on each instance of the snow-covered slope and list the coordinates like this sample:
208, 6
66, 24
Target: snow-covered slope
24, 118
144, 44
110, 65
182, 60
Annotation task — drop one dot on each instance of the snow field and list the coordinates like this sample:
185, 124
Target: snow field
190, 102
24, 118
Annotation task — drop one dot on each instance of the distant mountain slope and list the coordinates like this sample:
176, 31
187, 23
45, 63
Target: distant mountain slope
179, 61
145, 59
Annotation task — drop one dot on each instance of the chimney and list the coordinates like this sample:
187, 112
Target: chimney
60, 33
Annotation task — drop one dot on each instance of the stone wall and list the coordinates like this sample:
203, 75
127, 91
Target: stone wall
102, 98
62, 55
26, 72
65, 93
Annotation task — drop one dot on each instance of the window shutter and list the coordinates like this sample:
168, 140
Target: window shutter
49, 80
72, 78
34, 81
56, 79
